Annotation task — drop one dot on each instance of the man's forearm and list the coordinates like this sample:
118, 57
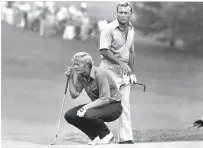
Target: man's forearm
110, 56
73, 92
96, 103
132, 61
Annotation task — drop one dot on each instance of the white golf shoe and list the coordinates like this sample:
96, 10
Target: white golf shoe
107, 139
93, 142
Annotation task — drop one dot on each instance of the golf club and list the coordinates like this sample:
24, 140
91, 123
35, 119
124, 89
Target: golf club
144, 89
59, 121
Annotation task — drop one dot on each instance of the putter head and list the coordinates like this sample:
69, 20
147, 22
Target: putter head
144, 86
53, 142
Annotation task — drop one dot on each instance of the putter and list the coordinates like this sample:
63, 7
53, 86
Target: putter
59, 121
144, 89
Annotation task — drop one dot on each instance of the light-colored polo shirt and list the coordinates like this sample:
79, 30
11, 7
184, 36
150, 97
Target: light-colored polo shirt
111, 38
96, 88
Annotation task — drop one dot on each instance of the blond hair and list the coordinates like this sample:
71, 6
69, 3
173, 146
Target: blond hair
83, 57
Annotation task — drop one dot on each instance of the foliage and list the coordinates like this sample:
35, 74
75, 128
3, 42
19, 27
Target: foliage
173, 20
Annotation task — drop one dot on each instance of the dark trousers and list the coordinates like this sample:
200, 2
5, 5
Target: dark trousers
92, 124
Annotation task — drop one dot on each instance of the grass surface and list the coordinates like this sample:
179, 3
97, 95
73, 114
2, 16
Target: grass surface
33, 84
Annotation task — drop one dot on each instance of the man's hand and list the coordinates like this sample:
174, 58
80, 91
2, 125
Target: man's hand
126, 69
69, 71
133, 79
81, 112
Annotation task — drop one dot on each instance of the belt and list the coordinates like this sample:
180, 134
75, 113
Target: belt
114, 101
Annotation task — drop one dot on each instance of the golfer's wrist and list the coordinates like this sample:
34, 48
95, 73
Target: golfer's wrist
85, 107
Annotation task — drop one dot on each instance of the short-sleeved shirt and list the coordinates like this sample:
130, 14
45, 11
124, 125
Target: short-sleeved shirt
111, 38
96, 88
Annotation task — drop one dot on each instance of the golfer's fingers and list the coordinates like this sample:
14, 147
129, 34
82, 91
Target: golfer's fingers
77, 113
125, 72
69, 71
134, 79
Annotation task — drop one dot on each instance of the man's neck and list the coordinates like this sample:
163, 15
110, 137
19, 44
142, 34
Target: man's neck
86, 74
123, 26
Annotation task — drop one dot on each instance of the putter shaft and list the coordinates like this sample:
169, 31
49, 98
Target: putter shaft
144, 89
59, 121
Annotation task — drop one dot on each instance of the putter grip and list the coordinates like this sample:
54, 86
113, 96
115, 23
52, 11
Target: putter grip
67, 81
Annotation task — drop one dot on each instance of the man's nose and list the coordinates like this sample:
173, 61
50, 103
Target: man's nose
123, 15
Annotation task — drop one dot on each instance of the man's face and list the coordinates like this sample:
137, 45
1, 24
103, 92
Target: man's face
79, 66
124, 14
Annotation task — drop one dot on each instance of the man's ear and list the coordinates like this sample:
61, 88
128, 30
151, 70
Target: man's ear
86, 65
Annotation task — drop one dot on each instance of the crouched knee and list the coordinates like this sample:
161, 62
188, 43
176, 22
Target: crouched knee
69, 117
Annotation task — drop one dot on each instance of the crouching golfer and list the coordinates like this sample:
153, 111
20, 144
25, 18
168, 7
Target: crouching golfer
106, 99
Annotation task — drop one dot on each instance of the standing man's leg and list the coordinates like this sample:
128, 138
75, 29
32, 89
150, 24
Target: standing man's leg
124, 122
107, 113
97, 117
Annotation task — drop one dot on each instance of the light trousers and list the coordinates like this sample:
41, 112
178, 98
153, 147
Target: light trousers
124, 127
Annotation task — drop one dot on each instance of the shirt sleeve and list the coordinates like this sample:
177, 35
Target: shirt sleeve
103, 85
105, 39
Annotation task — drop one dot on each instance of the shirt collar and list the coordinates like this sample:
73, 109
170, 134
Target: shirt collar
116, 24
92, 73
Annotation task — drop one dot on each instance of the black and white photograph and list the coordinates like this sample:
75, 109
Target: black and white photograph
106, 74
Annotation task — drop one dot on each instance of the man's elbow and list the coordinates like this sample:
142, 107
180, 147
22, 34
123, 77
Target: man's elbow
74, 96
105, 101
103, 51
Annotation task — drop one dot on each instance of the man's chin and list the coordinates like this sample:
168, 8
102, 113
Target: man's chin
123, 22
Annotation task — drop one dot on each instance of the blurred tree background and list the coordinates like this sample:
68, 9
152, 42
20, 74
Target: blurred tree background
178, 23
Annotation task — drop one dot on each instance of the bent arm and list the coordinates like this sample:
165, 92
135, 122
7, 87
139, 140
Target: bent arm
110, 56
75, 88
95, 104
131, 62
105, 43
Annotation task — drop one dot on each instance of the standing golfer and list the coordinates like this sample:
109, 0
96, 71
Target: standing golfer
117, 50
105, 96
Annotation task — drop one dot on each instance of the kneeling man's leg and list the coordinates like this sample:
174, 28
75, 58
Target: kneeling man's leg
107, 113
80, 123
